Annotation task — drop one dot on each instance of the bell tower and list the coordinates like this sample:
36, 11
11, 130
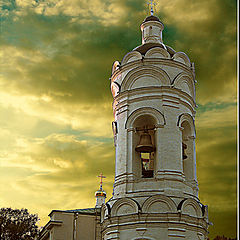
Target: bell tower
155, 190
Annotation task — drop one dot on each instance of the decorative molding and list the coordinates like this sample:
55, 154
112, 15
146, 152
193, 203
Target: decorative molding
190, 207
163, 93
182, 57
149, 62
145, 71
157, 115
187, 117
119, 207
162, 200
185, 79
131, 56
105, 211
152, 52
116, 65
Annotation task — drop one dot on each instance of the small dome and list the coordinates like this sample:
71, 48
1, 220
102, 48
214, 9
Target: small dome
100, 193
151, 18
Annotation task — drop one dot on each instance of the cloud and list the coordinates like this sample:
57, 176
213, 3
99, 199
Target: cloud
58, 151
216, 165
209, 38
69, 68
55, 100
214, 115
61, 55
39, 116
55, 168
105, 12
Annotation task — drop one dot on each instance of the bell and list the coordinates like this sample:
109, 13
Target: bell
145, 143
184, 146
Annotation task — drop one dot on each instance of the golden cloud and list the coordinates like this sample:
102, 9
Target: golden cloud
55, 100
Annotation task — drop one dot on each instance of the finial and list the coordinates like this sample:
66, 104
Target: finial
152, 5
101, 177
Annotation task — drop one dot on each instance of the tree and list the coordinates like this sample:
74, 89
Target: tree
18, 224
223, 238
220, 238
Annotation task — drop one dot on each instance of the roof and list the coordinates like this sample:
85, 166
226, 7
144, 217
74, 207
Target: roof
84, 210
87, 211
145, 47
151, 18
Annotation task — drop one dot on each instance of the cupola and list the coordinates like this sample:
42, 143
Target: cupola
100, 194
152, 29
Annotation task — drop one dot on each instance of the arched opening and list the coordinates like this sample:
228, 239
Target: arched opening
143, 238
144, 146
187, 151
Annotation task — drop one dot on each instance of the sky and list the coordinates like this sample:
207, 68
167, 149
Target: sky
56, 104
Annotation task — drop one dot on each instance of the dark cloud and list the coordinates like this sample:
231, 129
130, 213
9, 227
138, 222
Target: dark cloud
77, 68
217, 174
210, 42
66, 159
65, 54
224, 223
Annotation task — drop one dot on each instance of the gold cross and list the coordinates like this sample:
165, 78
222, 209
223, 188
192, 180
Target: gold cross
101, 177
152, 5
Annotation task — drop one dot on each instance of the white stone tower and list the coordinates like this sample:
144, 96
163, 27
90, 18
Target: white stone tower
155, 190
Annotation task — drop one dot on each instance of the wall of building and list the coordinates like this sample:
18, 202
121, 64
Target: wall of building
72, 226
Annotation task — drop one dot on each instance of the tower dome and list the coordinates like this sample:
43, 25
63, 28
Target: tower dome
100, 194
152, 29
151, 18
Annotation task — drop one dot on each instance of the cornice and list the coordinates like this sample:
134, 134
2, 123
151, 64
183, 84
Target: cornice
160, 220
151, 62
175, 98
159, 90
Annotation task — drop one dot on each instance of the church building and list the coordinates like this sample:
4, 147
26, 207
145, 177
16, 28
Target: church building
155, 195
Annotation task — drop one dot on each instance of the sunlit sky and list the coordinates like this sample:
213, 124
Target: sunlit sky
55, 100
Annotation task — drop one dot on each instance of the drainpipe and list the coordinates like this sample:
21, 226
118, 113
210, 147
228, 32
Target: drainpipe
75, 226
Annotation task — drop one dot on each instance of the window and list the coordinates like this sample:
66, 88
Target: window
147, 162
144, 146
184, 147
187, 151
146, 150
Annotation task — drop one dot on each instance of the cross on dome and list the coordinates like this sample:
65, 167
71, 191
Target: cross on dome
152, 6
101, 177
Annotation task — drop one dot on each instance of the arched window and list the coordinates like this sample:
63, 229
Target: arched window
144, 145
143, 124
186, 153
187, 126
